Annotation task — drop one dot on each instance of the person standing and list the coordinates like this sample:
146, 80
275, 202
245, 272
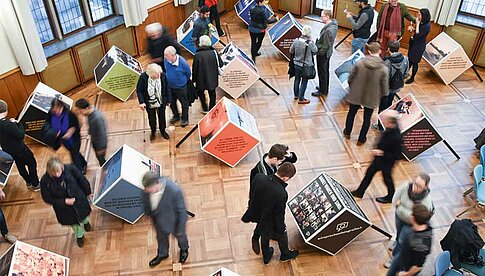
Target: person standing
97, 128
416, 243
178, 75
61, 127
12, 142
390, 23
164, 203
3, 224
214, 14
206, 73
201, 25
387, 152
325, 50
361, 25
66, 189
303, 49
158, 39
153, 96
267, 208
417, 42
368, 83
258, 23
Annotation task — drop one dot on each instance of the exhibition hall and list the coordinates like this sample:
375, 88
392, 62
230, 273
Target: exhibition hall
242, 137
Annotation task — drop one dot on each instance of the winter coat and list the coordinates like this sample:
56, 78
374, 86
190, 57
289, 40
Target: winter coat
417, 43
156, 47
142, 90
50, 135
405, 208
76, 186
368, 82
204, 69
390, 143
327, 38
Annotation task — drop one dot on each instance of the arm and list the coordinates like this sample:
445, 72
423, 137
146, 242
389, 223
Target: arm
313, 47
187, 71
140, 87
352, 73
81, 180
166, 93
195, 67
17, 131
384, 83
324, 43
47, 197
421, 34
292, 47
181, 212
357, 25
396, 199
406, 67
279, 218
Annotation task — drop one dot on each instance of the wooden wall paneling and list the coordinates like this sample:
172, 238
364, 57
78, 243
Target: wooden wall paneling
292, 6
61, 74
17, 89
87, 55
480, 55
467, 36
13, 110
123, 38
230, 4
30, 82
275, 4
338, 11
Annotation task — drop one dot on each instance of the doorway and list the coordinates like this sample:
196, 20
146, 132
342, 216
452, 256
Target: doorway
319, 5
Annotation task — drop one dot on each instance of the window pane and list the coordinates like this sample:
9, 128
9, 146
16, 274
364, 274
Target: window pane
476, 7
70, 15
42, 23
323, 4
100, 9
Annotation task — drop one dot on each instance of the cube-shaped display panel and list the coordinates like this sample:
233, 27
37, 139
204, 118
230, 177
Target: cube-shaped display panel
239, 71
33, 115
184, 33
284, 32
343, 70
6, 165
117, 73
228, 132
243, 7
118, 184
327, 215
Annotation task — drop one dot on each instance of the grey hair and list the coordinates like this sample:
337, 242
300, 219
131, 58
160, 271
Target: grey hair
170, 50
306, 31
205, 41
153, 28
150, 178
153, 68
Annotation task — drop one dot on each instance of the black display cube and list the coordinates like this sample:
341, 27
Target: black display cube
327, 215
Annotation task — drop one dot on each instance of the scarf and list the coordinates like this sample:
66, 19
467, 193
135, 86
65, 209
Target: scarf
416, 197
154, 92
61, 123
395, 23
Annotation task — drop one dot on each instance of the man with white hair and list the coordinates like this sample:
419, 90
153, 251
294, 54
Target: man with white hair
153, 96
178, 75
158, 39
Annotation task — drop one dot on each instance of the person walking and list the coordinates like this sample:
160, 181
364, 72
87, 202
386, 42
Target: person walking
258, 23
214, 14
66, 189
163, 202
206, 73
325, 50
12, 142
153, 96
417, 42
368, 83
201, 25
386, 153
361, 25
3, 224
61, 127
178, 75
303, 49
158, 39
97, 128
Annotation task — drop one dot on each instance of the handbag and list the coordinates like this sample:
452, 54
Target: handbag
308, 71
219, 70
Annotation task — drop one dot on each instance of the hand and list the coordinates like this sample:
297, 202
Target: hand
410, 28
418, 20
69, 201
168, 103
2, 195
377, 152
349, 15
69, 133
13, 120
142, 106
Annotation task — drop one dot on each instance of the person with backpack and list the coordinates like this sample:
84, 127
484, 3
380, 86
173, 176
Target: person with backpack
416, 243
398, 67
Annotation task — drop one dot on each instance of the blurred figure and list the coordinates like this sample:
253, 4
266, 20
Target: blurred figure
12, 142
201, 25
206, 73
214, 14
97, 128
361, 25
417, 42
66, 189
163, 202
257, 27
3, 224
158, 40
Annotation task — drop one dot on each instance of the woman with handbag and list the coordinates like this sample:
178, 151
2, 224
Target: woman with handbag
66, 189
205, 72
303, 49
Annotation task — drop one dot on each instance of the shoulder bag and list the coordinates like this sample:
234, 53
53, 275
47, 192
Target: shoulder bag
308, 71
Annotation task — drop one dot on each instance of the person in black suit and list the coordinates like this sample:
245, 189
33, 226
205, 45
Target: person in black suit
153, 96
417, 42
164, 203
158, 40
387, 152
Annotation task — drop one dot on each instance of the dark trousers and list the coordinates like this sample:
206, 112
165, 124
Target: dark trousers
214, 16
385, 103
77, 158
256, 42
152, 119
349, 122
256, 232
163, 242
282, 244
181, 95
27, 166
3, 223
100, 155
212, 99
378, 164
323, 64
415, 67
300, 84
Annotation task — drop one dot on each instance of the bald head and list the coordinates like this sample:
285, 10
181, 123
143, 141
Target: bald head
170, 54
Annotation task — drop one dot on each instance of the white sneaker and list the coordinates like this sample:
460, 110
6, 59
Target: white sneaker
391, 244
388, 263
10, 238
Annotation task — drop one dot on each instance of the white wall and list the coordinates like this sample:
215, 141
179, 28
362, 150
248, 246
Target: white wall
8, 61
419, 4
153, 3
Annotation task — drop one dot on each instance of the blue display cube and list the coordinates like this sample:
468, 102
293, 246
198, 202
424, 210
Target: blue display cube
243, 7
184, 33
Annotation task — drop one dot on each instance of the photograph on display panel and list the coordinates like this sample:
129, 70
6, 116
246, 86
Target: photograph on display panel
212, 122
31, 260
346, 196
6, 261
231, 51
343, 70
409, 112
109, 173
103, 67
280, 27
438, 48
242, 119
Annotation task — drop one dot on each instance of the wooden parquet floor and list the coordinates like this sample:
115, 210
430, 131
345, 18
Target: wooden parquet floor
217, 194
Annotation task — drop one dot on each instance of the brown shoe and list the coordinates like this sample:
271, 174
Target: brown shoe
347, 136
305, 101
295, 98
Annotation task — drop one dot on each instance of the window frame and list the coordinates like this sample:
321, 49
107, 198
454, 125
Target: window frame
50, 19
104, 18
83, 15
469, 14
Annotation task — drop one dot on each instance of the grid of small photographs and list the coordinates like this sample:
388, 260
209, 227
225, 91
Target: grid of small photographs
314, 206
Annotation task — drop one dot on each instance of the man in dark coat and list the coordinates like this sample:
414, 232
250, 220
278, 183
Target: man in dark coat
163, 202
386, 154
267, 208
158, 40
66, 189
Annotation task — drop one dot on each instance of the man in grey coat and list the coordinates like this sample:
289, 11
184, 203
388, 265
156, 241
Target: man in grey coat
97, 128
368, 83
163, 201
325, 50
